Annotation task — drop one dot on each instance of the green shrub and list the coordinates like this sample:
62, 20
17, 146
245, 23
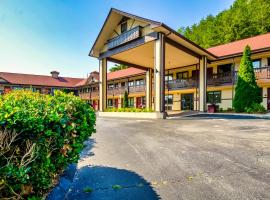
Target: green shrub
125, 100
256, 108
51, 128
128, 110
247, 91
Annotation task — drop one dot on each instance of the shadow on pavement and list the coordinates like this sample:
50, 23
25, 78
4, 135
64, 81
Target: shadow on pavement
223, 116
107, 183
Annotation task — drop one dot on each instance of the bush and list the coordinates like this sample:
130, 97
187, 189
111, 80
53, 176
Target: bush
247, 91
48, 133
256, 108
128, 110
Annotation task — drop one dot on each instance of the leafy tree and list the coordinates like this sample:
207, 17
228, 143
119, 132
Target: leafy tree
126, 99
117, 68
247, 91
245, 18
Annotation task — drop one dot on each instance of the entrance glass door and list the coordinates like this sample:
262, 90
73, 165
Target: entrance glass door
187, 101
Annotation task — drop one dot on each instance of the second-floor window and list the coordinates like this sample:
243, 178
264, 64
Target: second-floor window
131, 83
110, 86
224, 68
168, 77
139, 82
257, 63
268, 62
124, 27
182, 75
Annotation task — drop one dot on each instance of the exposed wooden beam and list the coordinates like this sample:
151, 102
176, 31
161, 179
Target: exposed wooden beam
182, 48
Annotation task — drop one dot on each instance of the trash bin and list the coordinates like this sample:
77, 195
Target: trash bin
212, 108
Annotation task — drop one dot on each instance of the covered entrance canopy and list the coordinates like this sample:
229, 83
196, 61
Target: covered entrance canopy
135, 41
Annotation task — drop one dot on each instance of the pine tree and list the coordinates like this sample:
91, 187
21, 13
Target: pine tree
125, 99
247, 91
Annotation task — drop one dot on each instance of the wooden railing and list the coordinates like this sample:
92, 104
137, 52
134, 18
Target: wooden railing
125, 37
130, 89
179, 84
262, 73
220, 79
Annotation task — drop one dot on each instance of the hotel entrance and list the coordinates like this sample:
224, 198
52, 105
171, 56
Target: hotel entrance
187, 101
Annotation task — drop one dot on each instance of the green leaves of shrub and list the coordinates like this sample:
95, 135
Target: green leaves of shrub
58, 125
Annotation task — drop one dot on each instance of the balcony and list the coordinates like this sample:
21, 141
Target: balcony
121, 90
179, 84
220, 79
125, 37
262, 73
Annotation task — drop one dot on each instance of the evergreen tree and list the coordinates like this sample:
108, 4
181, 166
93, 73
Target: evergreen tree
126, 99
247, 91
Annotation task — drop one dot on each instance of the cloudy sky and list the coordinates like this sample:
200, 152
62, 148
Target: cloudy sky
38, 36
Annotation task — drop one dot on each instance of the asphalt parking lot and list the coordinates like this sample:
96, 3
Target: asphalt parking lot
189, 158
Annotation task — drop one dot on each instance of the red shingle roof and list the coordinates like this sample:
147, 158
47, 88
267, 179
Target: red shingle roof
40, 80
131, 71
256, 43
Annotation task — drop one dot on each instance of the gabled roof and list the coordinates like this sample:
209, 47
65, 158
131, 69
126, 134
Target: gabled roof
39, 80
124, 73
129, 72
256, 43
115, 16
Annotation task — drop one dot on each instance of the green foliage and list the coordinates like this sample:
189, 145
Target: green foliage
128, 110
125, 99
51, 130
255, 108
117, 68
245, 18
247, 91
117, 187
87, 190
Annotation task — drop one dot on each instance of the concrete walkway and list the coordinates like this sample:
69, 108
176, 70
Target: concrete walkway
191, 158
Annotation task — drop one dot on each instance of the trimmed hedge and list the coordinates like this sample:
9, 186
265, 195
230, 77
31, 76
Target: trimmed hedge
128, 110
49, 132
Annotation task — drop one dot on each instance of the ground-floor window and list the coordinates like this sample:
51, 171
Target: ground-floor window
110, 103
214, 97
169, 99
131, 102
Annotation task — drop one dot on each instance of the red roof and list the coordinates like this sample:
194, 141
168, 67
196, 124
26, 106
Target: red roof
255, 43
40, 80
131, 71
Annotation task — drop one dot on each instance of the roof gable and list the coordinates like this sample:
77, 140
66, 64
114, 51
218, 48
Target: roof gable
108, 29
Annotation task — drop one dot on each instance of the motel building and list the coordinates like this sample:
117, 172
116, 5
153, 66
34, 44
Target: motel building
167, 71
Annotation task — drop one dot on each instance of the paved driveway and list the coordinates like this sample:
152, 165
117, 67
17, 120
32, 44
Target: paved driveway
190, 158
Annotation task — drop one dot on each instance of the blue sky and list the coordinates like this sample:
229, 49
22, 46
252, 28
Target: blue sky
38, 36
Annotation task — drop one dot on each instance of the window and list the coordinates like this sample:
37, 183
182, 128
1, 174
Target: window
169, 99
123, 27
256, 63
224, 68
168, 77
195, 74
123, 84
110, 102
116, 85
139, 82
268, 62
131, 102
214, 97
131, 83
17, 88
182, 75
110, 86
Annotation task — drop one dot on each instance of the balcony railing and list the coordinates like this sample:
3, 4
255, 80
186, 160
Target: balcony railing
179, 84
121, 90
221, 79
125, 37
262, 73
